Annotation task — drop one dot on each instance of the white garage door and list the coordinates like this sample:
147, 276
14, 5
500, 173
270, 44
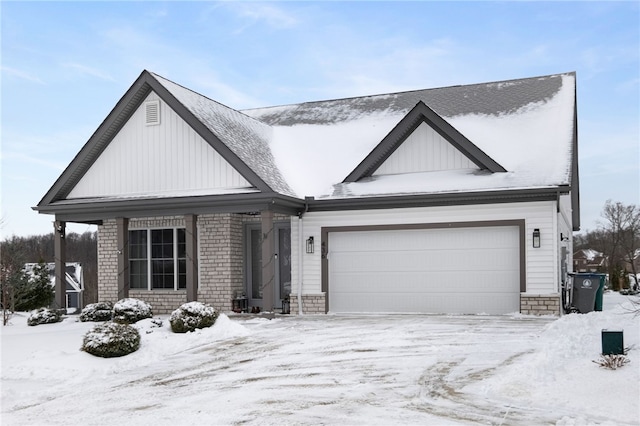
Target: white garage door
460, 270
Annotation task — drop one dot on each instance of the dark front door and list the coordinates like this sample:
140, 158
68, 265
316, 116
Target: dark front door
253, 262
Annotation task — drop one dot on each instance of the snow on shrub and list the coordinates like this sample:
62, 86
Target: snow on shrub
192, 315
101, 311
111, 339
43, 316
131, 310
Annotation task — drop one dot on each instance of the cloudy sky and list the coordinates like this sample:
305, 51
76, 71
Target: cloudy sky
66, 64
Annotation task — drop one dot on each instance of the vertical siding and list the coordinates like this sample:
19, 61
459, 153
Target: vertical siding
157, 159
565, 225
541, 263
423, 151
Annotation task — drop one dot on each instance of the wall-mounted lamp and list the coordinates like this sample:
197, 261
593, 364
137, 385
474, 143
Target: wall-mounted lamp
536, 238
60, 228
564, 237
310, 245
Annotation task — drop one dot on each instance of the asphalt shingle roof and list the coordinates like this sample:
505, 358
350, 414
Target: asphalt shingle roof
487, 98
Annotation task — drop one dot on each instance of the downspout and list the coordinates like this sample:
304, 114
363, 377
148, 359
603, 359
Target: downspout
300, 254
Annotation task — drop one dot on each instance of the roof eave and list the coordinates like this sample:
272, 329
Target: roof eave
97, 211
440, 199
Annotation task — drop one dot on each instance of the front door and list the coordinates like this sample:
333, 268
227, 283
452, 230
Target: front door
253, 257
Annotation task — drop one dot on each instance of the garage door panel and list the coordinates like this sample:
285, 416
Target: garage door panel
405, 260
432, 303
460, 270
426, 282
441, 239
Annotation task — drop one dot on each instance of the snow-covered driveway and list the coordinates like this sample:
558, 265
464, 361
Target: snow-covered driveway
346, 370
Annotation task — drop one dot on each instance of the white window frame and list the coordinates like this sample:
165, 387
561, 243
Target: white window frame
176, 259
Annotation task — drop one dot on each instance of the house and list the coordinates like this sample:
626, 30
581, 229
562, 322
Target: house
73, 279
631, 264
589, 260
447, 200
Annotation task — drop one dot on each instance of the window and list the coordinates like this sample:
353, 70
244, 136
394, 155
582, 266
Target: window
157, 259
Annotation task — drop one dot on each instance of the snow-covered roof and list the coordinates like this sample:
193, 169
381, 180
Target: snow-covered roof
246, 137
73, 274
525, 125
521, 135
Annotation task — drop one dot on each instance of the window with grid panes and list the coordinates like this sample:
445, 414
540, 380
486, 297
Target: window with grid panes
157, 259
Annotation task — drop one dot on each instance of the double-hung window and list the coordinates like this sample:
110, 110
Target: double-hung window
157, 259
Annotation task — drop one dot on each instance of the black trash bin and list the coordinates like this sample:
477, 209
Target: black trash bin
585, 289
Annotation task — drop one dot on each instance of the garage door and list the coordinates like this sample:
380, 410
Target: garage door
460, 270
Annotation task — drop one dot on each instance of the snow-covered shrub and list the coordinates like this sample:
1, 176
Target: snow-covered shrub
131, 310
111, 339
101, 311
192, 315
44, 316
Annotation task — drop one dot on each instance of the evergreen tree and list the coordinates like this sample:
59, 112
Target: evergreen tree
35, 292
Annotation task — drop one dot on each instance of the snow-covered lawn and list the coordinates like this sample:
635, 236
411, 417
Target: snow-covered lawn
334, 370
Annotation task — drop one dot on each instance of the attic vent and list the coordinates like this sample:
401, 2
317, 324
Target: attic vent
152, 113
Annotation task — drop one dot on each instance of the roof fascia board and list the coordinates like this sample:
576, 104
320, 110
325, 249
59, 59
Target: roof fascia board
97, 211
575, 176
433, 200
211, 138
99, 140
419, 114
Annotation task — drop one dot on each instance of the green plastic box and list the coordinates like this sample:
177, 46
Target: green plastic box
612, 342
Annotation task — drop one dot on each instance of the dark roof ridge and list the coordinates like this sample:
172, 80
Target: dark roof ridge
409, 91
156, 76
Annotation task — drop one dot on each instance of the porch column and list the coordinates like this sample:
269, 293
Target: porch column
122, 232
268, 261
60, 264
191, 240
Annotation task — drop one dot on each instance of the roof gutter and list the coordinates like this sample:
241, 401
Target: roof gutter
93, 210
432, 200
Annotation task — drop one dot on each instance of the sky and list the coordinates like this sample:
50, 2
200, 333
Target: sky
65, 65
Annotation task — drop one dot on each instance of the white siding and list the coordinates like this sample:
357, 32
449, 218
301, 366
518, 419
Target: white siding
565, 225
424, 151
159, 159
541, 263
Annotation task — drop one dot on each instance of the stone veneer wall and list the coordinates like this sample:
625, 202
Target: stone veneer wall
540, 304
108, 261
161, 301
220, 259
220, 256
311, 304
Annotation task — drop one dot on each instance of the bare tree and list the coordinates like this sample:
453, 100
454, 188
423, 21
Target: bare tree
621, 238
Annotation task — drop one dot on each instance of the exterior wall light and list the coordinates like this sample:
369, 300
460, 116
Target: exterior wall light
536, 238
310, 245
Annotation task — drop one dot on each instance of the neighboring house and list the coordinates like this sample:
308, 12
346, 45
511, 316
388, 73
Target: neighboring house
589, 260
74, 282
632, 265
460, 199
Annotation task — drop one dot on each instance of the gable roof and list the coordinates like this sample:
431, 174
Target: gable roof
421, 113
241, 140
520, 133
525, 129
